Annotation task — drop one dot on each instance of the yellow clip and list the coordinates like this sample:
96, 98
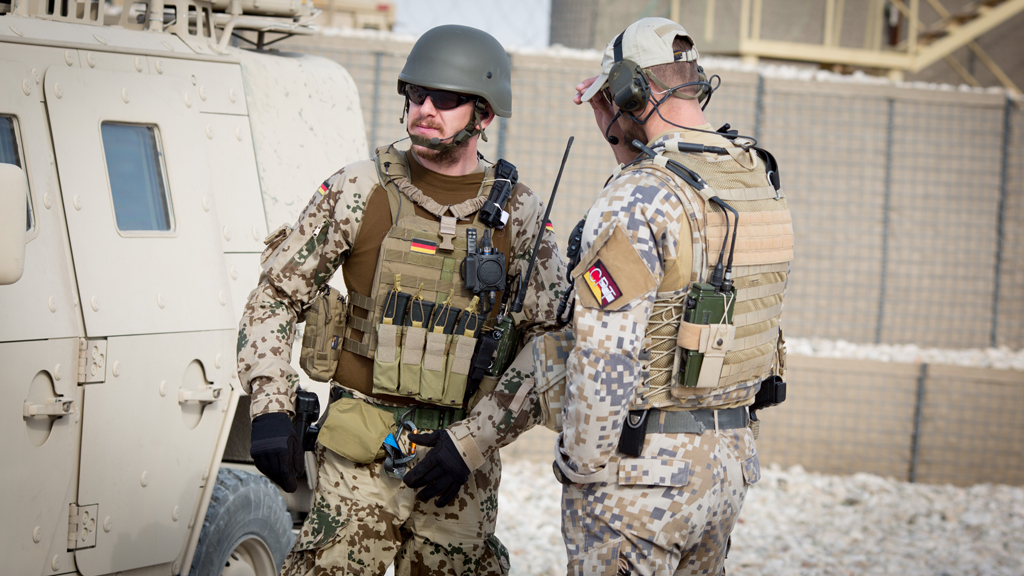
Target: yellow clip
398, 283
471, 309
419, 293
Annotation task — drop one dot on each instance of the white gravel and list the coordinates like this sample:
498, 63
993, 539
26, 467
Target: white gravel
800, 523
1001, 358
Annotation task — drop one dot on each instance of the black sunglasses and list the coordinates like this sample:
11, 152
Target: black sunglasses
442, 99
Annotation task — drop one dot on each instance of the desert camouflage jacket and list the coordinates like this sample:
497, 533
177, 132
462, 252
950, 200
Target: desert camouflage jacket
317, 246
634, 234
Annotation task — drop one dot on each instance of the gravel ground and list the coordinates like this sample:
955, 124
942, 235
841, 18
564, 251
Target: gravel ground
1000, 358
795, 522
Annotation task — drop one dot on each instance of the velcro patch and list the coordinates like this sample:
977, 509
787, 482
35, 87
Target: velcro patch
602, 284
424, 246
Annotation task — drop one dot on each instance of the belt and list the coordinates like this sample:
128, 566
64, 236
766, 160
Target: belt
688, 421
423, 417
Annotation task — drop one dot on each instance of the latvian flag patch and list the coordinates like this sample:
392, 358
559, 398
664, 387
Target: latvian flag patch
424, 246
324, 187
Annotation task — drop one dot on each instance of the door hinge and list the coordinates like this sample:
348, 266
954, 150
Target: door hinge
82, 524
92, 360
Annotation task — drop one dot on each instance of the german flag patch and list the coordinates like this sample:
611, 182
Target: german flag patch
324, 187
549, 227
424, 246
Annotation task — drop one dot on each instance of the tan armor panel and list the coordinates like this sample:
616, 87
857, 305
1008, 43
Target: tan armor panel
763, 252
409, 360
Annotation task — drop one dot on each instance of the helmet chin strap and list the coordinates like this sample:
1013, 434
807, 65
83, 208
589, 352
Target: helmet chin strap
460, 138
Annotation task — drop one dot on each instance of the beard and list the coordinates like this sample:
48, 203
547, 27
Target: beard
446, 157
632, 131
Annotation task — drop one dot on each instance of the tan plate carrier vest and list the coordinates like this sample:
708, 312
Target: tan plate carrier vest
764, 250
408, 360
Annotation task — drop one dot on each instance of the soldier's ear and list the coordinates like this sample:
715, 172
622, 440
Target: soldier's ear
486, 116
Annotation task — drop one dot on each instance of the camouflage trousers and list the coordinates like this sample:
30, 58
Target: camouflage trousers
362, 520
668, 512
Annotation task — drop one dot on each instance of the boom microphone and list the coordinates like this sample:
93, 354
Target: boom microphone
613, 140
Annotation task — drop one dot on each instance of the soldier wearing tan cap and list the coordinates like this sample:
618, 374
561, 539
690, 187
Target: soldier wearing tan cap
656, 454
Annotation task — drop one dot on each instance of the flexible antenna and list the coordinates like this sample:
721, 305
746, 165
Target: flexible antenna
517, 304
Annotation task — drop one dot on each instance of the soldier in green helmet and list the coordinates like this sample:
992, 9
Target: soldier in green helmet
429, 241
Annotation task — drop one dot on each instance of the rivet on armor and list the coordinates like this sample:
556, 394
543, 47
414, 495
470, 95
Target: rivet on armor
144, 479
159, 67
238, 134
233, 273
160, 301
37, 535
162, 388
188, 101
95, 303
255, 233
16, 30
108, 524
46, 201
227, 233
206, 203
209, 132
51, 303
174, 514
58, 372
26, 87
220, 298
57, 91
232, 96
165, 44
116, 370
69, 57
216, 360
138, 63
100, 39
55, 562
124, 95
76, 201
90, 59
202, 93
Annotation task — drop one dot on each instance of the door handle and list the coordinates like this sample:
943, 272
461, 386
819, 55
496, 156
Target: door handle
55, 408
203, 396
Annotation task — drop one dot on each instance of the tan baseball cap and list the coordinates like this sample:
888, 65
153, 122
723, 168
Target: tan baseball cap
648, 42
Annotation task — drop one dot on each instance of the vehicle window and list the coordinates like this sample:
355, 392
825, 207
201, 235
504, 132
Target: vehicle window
9, 154
137, 184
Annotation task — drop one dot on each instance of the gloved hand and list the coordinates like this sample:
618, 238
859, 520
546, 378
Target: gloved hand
441, 472
276, 450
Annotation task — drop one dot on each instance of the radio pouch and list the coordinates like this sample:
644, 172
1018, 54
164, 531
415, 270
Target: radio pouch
356, 430
323, 334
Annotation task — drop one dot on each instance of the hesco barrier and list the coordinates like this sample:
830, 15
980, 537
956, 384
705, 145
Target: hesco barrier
908, 210
908, 204
919, 422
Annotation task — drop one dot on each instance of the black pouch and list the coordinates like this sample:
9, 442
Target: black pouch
634, 429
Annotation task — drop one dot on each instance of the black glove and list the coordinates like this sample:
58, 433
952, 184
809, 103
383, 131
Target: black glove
276, 450
442, 471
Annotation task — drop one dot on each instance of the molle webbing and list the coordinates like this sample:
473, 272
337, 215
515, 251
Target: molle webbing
439, 272
763, 251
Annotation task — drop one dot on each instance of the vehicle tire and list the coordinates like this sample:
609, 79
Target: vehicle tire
247, 529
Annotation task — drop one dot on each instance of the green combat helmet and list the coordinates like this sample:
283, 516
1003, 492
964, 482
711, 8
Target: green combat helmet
465, 60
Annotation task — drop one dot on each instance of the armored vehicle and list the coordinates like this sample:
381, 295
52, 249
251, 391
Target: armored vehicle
155, 154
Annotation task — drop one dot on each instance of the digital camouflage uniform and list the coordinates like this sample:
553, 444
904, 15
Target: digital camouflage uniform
671, 510
363, 519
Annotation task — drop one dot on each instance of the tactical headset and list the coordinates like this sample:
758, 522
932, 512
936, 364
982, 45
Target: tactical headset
630, 87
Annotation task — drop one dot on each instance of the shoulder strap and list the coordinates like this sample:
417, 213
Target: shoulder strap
391, 163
